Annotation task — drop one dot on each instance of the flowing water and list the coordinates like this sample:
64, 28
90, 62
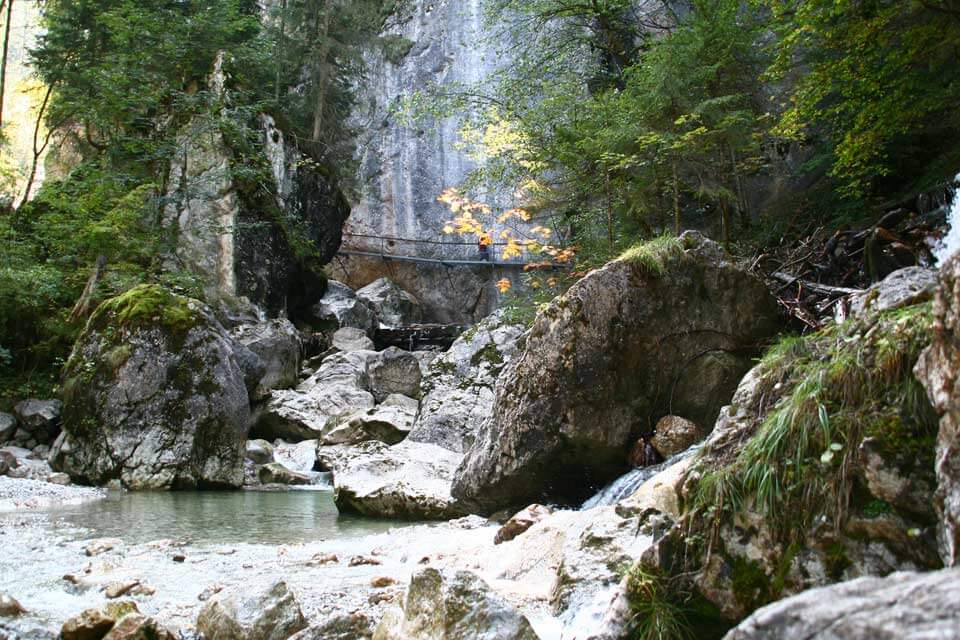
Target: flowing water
627, 484
951, 243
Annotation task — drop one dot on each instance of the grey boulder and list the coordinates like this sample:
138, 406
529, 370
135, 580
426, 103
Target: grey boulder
252, 613
340, 387
277, 344
457, 389
389, 422
8, 425
901, 606
276, 473
603, 361
394, 306
408, 481
340, 307
462, 607
900, 289
351, 339
38, 422
394, 371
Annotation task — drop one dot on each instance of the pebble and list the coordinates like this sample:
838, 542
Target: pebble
382, 581
117, 589
9, 607
321, 559
357, 561
102, 545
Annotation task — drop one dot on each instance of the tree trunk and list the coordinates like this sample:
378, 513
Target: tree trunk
6, 53
676, 199
280, 49
609, 210
38, 151
320, 75
82, 308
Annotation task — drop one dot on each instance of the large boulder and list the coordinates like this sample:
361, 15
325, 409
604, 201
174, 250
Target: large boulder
252, 613
627, 344
674, 435
277, 344
38, 422
8, 425
351, 339
457, 389
394, 306
394, 371
408, 481
154, 396
340, 307
901, 606
340, 387
939, 370
388, 422
899, 289
276, 473
458, 608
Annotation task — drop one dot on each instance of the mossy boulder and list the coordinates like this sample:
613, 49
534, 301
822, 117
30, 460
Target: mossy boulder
628, 344
154, 395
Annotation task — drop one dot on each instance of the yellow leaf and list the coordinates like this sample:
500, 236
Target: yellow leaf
503, 285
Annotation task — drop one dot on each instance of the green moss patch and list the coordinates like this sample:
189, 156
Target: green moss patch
146, 305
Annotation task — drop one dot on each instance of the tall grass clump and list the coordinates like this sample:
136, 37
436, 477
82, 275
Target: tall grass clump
830, 391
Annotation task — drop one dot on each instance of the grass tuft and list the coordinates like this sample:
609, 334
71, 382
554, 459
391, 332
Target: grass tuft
651, 256
835, 388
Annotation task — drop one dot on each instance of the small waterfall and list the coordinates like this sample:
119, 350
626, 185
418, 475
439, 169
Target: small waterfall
951, 243
625, 485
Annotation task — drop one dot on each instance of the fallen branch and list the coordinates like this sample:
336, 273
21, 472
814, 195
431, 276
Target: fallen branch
814, 286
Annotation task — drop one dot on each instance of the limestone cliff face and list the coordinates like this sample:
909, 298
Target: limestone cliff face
236, 240
404, 167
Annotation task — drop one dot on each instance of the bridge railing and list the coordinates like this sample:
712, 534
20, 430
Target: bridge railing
444, 250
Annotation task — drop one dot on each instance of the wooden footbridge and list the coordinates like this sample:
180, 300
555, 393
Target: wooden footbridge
437, 252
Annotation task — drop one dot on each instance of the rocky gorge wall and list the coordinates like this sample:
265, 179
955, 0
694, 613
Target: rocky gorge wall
405, 166
245, 241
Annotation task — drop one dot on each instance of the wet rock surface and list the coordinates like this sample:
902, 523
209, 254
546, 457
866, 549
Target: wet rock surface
674, 435
520, 522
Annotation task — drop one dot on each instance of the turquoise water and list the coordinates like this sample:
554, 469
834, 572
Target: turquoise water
210, 517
